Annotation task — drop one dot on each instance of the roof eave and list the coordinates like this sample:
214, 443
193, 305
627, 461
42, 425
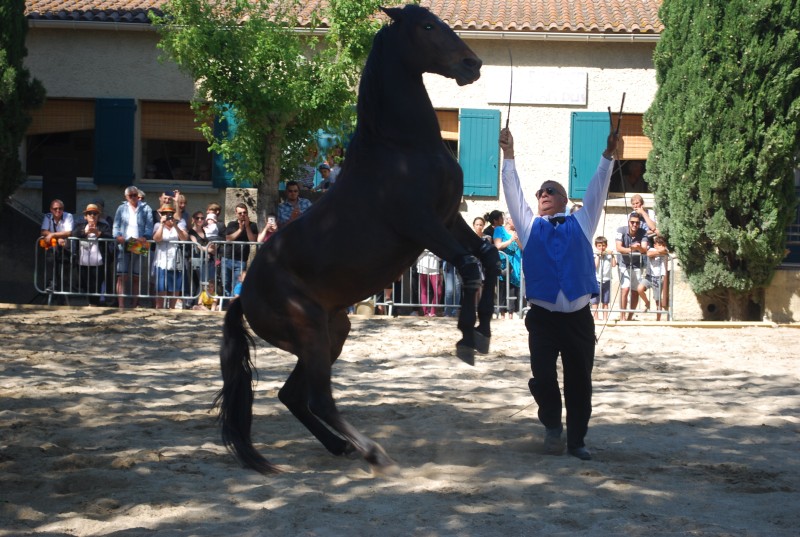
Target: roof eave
464, 34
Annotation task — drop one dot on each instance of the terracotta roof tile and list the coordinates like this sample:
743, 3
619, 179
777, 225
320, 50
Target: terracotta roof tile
570, 16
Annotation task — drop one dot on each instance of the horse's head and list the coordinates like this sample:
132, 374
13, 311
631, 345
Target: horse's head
430, 46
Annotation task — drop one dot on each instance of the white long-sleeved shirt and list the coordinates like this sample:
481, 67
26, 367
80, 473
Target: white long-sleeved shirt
588, 217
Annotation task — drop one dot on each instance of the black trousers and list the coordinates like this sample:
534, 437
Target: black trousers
572, 336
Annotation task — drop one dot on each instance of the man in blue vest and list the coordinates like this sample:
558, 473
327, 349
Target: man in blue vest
559, 282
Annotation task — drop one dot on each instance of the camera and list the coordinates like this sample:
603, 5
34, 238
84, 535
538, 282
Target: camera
169, 217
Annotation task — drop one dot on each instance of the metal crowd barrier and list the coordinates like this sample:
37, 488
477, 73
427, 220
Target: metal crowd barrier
616, 309
103, 271
408, 295
209, 275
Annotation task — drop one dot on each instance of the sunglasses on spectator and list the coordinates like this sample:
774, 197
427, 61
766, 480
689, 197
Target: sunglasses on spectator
550, 190
199, 217
92, 213
56, 208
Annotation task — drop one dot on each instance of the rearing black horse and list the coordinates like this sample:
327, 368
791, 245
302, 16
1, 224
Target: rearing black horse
357, 239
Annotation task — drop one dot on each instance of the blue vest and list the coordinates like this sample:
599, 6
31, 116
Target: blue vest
558, 258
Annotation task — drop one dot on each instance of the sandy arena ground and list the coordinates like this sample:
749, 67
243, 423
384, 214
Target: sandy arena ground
106, 429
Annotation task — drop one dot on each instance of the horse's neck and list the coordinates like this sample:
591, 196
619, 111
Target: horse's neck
396, 107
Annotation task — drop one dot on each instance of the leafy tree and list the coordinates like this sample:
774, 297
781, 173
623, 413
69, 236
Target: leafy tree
725, 126
18, 93
281, 85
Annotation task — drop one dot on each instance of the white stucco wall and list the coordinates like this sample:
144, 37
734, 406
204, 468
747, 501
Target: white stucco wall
105, 64
542, 132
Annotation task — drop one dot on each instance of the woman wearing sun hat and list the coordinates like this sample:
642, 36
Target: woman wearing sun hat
169, 255
92, 255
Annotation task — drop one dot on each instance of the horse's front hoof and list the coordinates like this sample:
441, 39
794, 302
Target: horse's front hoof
465, 353
482, 342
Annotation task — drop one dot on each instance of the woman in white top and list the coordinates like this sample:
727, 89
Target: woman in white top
169, 255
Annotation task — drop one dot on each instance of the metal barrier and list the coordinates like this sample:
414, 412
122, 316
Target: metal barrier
412, 292
103, 270
208, 274
665, 290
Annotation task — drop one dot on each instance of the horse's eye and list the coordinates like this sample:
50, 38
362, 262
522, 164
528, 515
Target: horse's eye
428, 26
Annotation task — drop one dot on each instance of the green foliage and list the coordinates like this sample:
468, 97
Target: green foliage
18, 93
725, 126
282, 84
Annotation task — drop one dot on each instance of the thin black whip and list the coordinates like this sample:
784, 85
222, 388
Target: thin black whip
511, 85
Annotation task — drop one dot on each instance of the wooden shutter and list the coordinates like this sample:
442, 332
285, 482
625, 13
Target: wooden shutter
478, 152
221, 177
634, 145
62, 115
113, 141
589, 131
169, 121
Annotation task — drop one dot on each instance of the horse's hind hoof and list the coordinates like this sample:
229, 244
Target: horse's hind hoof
378, 459
481, 343
350, 452
465, 353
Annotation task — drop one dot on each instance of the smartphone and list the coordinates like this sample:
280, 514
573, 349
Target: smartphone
271, 220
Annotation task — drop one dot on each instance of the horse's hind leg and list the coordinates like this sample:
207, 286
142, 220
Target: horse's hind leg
317, 345
294, 394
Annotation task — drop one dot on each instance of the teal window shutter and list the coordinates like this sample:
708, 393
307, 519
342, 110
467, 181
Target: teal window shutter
113, 141
478, 151
587, 142
224, 124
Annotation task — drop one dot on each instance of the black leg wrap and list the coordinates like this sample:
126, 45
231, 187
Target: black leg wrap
470, 270
490, 259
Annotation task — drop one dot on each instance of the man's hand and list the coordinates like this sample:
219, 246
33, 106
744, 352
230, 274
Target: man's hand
507, 143
611, 145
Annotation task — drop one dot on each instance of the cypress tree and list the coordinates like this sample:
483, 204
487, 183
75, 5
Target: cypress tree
18, 93
725, 126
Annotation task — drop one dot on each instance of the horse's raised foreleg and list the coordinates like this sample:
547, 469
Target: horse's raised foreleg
490, 260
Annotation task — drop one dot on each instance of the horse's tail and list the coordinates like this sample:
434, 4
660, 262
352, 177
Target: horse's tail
235, 399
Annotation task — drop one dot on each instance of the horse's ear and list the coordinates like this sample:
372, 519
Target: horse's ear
395, 13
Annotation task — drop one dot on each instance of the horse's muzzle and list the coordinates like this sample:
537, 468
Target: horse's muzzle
468, 71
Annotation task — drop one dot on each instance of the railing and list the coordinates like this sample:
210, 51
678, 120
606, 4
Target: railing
192, 274
415, 294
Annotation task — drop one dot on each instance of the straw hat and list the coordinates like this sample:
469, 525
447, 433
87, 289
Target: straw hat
91, 208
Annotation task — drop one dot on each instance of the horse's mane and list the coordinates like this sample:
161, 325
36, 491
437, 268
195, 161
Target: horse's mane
371, 86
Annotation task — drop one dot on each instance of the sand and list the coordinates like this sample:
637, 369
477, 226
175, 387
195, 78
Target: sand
106, 429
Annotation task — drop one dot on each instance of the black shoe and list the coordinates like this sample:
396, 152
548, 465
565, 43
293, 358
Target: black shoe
581, 452
553, 442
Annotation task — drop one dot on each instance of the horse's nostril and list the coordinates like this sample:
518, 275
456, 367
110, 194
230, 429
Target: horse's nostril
473, 63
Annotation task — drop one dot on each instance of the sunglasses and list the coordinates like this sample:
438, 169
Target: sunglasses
91, 213
550, 191
199, 217
56, 208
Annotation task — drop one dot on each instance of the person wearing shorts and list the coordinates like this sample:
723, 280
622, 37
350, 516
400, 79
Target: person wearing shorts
604, 261
133, 220
656, 269
631, 244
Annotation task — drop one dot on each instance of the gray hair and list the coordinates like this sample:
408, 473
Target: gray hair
131, 190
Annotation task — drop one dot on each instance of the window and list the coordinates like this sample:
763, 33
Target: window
61, 130
589, 131
172, 147
471, 137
